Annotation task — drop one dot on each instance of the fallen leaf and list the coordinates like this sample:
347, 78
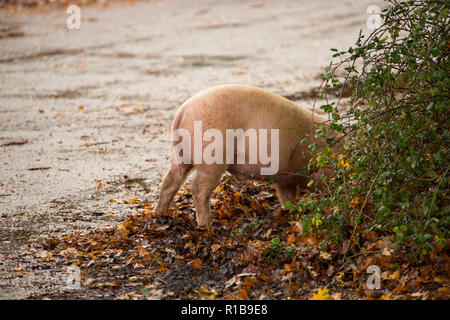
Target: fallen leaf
354, 202
197, 263
261, 4
243, 294
321, 294
142, 252
325, 255
133, 200
386, 296
336, 296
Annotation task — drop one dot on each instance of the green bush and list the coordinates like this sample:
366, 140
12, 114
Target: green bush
280, 249
392, 177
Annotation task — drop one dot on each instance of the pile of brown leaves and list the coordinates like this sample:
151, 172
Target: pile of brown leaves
167, 257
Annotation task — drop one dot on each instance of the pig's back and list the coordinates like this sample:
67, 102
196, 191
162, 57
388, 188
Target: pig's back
240, 106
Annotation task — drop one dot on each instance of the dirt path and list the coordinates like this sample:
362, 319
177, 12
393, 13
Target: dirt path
85, 114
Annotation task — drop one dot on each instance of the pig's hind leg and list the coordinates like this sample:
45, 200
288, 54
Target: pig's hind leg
206, 179
172, 181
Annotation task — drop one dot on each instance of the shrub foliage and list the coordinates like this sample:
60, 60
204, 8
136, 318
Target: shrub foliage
392, 176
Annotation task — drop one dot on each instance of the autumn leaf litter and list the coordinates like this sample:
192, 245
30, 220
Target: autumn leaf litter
253, 250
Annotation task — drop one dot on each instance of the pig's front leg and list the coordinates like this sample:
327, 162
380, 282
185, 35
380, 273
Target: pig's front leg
206, 179
286, 192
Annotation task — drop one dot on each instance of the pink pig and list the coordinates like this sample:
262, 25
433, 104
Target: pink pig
268, 129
